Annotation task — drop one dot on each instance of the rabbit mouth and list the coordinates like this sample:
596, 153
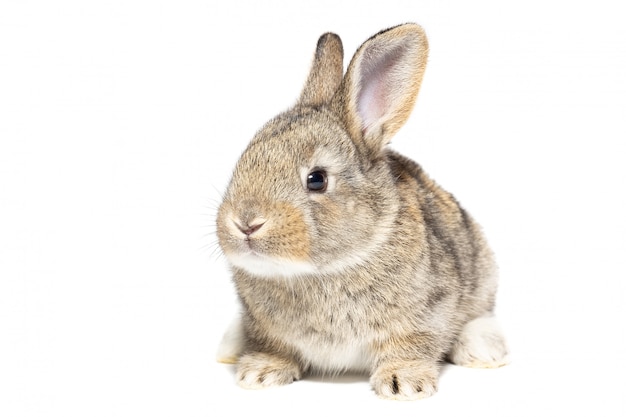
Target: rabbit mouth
259, 264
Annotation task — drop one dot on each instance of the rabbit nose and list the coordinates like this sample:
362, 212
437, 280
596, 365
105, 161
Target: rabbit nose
251, 227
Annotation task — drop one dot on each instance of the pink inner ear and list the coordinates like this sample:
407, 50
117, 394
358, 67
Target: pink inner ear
375, 96
371, 102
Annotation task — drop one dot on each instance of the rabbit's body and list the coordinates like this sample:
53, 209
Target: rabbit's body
345, 255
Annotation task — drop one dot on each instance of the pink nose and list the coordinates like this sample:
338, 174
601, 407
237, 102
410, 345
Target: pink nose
250, 227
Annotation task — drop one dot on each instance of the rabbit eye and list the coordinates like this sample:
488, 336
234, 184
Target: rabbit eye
317, 181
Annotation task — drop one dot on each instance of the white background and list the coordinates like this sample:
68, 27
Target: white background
120, 122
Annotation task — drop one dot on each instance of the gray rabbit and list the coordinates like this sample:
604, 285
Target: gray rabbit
345, 255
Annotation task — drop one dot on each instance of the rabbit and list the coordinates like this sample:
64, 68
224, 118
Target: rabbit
345, 255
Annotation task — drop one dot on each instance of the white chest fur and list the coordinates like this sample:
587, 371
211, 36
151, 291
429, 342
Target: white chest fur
352, 356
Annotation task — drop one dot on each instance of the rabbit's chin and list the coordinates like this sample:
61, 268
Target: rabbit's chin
269, 267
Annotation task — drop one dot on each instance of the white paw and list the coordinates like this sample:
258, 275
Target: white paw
261, 370
405, 380
480, 345
232, 344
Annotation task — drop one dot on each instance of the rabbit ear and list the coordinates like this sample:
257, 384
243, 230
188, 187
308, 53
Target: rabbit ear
326, 72
381, 84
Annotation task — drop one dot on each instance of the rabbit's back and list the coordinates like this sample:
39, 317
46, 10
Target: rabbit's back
453, 246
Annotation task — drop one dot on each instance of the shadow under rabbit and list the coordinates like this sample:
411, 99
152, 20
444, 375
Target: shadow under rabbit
343, 378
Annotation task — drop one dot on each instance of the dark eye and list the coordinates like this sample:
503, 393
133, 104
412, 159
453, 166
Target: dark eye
317, 181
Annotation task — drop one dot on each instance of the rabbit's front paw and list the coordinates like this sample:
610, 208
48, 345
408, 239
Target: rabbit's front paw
261, 370
409, 380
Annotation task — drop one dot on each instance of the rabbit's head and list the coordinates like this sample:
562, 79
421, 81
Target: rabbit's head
313, 192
